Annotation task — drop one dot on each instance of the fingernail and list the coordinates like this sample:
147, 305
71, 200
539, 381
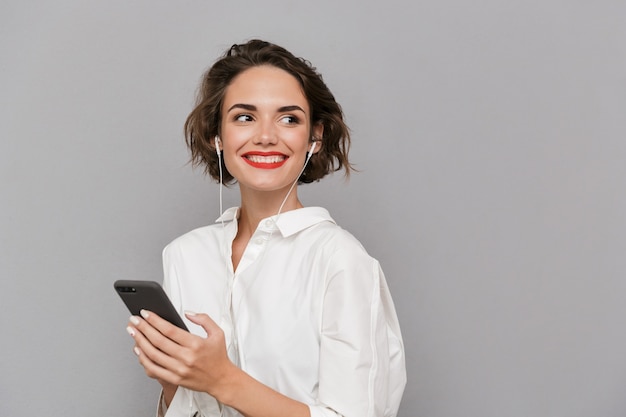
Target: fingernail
190, 313
144, 314
135, 320
130, 331
137, 351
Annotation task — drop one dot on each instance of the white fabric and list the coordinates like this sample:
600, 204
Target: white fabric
312, 316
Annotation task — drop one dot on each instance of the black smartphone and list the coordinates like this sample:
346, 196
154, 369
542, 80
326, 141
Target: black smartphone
149, 295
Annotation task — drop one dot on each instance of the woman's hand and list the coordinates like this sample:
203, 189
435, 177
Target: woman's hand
176, 357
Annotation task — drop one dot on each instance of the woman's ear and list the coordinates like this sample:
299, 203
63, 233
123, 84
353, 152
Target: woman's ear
318, 134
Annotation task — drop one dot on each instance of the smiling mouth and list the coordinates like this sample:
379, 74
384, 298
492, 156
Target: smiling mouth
265, 161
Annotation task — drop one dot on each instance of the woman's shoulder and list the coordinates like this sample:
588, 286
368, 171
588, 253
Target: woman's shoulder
198, 238
336, 241
205, 234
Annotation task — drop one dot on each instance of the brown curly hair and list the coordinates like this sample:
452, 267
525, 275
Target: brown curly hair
203, 123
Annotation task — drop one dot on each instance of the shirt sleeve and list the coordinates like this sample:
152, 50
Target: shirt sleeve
170, 278
362, 367
185, 402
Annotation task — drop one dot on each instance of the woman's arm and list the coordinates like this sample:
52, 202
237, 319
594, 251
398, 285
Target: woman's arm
362, 370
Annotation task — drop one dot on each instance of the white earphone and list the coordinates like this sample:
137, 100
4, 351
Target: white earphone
313, 145
217, 144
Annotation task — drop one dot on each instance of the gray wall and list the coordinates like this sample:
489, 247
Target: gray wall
491, 140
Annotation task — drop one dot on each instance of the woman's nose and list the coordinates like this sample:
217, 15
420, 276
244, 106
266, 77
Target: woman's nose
266, 134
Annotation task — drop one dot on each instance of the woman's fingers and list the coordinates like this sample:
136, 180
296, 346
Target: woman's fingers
164, 327
178, 357
158, 342
203, 320
163, 335
154, 370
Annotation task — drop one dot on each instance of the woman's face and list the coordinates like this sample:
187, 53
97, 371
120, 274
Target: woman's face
266, 129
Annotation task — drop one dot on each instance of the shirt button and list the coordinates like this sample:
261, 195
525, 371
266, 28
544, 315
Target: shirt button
258, 241
269, 223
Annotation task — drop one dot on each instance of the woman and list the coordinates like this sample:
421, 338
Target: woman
288, 315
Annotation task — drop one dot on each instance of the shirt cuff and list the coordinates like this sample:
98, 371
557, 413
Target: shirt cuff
189, 403
162, 407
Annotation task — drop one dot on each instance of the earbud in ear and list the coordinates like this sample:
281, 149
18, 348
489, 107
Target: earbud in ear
217, 144
313, 145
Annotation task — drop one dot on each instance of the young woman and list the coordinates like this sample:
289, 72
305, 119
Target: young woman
288, 315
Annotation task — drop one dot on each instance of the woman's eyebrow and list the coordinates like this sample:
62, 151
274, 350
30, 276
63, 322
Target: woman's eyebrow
248, 107
290, 108
251, 107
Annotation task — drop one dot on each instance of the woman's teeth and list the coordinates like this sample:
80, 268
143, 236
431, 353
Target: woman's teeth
265, 159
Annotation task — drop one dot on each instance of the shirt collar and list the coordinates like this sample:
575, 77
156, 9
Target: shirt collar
289, 222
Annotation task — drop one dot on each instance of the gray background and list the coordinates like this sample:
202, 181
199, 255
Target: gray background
491, 140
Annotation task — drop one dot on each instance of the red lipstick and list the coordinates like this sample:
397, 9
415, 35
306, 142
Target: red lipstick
265, 160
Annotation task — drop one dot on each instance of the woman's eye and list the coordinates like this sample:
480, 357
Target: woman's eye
243, 118
290, 120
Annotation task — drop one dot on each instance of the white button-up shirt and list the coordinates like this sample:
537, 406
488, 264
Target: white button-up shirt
307, 312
